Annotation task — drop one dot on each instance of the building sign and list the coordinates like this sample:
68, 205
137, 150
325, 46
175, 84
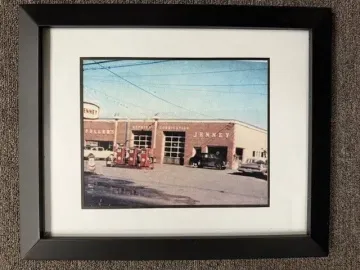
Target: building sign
174, 127
150, 126
211, 135
90, 111
142, 127
99, 131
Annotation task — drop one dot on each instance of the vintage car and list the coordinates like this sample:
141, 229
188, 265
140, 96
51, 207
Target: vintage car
208, 160
97, 152
254, 166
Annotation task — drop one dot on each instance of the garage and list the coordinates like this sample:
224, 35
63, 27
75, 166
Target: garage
218, 150
142, 139
174, 147
177, 141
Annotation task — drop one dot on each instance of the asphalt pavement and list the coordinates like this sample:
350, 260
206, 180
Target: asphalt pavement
171, 185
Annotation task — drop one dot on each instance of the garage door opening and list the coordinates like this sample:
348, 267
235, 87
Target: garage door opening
174, 148
142, 139
218, 150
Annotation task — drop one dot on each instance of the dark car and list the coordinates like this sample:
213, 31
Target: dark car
208, 160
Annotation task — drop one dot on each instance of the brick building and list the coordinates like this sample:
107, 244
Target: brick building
176, 141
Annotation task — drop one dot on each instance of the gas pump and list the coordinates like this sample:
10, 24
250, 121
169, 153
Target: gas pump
132, 157
120, 156
146, 158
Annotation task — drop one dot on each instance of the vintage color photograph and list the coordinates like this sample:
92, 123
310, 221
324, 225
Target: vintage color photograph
175, 132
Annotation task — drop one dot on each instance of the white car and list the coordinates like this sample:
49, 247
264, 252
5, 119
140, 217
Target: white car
97, 152
254, 165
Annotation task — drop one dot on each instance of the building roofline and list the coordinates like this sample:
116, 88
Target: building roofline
181, 120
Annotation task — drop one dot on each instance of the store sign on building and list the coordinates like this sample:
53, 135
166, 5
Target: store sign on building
211, 135
99, 131
174, 127
90, 110
142, 127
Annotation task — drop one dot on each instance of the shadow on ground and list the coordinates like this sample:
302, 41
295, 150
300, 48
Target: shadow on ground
105, 191
254, 175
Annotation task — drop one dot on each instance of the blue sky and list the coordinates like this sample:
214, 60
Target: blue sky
179, 89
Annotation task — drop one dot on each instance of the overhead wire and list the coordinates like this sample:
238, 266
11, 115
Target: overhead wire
212, 85
129, 65
192, 73
215, 91
120, 103
117, 101
159, 85
101, 62
152, 94
198, 90
107, 96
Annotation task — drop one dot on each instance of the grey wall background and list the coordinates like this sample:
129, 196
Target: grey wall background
345, 187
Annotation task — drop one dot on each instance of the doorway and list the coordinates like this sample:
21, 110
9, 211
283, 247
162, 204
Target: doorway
239, 152
174, 148
218, 150
197, 151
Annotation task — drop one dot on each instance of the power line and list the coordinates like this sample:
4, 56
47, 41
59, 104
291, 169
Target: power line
146, 91
195, 90
196, 73
214, 91
101, 62
116, 99
192, 73
212, 85
108, 97
222, 92
130, 65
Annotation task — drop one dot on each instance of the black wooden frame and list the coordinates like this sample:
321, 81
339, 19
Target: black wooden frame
36, 244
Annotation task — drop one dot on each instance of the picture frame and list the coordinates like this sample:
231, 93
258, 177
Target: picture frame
37, 244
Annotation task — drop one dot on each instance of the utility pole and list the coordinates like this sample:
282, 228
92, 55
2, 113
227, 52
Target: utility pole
116, 126
127, 124
156, 118
155, 132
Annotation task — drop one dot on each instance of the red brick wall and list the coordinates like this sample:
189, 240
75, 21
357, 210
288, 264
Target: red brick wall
209, 134
99, 131
196, 135
120, 136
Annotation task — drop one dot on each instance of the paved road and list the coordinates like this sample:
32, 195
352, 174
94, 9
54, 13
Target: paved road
171, 185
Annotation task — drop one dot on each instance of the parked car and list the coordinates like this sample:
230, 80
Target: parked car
254, 166
97, 152
208, 160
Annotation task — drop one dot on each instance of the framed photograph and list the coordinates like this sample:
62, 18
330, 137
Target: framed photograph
141, 151
150, 132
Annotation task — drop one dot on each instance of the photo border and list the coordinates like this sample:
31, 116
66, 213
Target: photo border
267, 59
